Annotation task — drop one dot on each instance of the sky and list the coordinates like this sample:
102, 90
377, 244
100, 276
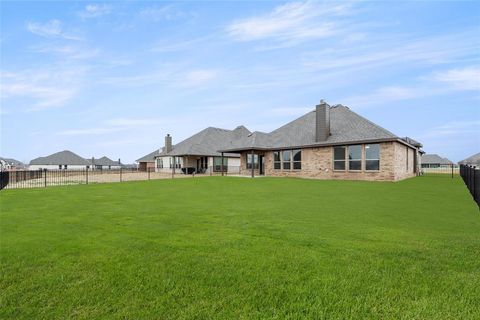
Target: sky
113, 78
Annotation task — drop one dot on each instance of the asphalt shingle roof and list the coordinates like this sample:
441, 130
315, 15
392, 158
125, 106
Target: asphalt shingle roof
346, 126
208, 141
63, 157
472, 160
103, 161
434, 159
149, 157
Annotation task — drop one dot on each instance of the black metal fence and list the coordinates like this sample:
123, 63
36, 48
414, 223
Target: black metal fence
46, 178
450, 169
471, 177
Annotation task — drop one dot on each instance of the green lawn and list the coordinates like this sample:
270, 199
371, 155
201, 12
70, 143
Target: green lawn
237, 248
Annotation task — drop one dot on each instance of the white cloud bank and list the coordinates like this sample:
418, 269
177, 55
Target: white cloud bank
290, 23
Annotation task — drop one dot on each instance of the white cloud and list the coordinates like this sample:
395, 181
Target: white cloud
199, 77
44, 88
133, 122
290, 23
467, 78
67, 51
53, 28
394, 51
438, 83
454, 128
116, 125
385, 95
88, 131
94, 11
168, 12
50, 29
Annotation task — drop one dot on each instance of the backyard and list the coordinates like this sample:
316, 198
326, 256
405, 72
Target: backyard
238, 248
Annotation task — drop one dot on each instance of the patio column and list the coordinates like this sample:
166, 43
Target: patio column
222, 163
253, 165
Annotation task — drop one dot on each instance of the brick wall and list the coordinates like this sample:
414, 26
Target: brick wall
318, 163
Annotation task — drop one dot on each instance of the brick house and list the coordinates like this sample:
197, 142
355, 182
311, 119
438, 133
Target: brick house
330, 142
147, 162
199, 153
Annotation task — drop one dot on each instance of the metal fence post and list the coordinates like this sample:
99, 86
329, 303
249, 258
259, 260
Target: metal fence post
86, 175
148, 170
45, 177
120, 174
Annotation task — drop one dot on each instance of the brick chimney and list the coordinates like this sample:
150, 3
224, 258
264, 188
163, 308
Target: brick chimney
168, 143
322, 122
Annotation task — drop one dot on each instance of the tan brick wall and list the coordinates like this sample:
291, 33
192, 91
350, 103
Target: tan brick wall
318, 163
402, 171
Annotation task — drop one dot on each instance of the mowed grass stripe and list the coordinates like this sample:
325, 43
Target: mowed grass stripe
223, 248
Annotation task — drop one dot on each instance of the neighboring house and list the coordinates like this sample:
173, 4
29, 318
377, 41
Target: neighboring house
65, 160
435, 161
9, 164
328, 143
104, 163
472, 160
199, 153
147, 162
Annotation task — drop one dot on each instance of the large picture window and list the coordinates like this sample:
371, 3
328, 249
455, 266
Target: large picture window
287, 157
339, 158
297, 159
252, 161
355, 157
277, 164
217, 164
372, 157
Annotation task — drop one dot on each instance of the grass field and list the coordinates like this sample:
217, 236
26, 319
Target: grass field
237, 248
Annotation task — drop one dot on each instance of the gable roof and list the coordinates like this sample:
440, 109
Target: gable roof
104, 161
434, 159
63, 157
473, 160
346, 127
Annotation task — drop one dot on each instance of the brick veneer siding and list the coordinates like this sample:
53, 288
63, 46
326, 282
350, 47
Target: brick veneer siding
318, 163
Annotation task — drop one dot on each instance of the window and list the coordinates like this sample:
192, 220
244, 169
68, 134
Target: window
59, 167
178, 164
170, 160
65, 166
159, 163
277, 164
372, 157
297, 159
249, 161
217, 164
355, 157
339, 158
287, 157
